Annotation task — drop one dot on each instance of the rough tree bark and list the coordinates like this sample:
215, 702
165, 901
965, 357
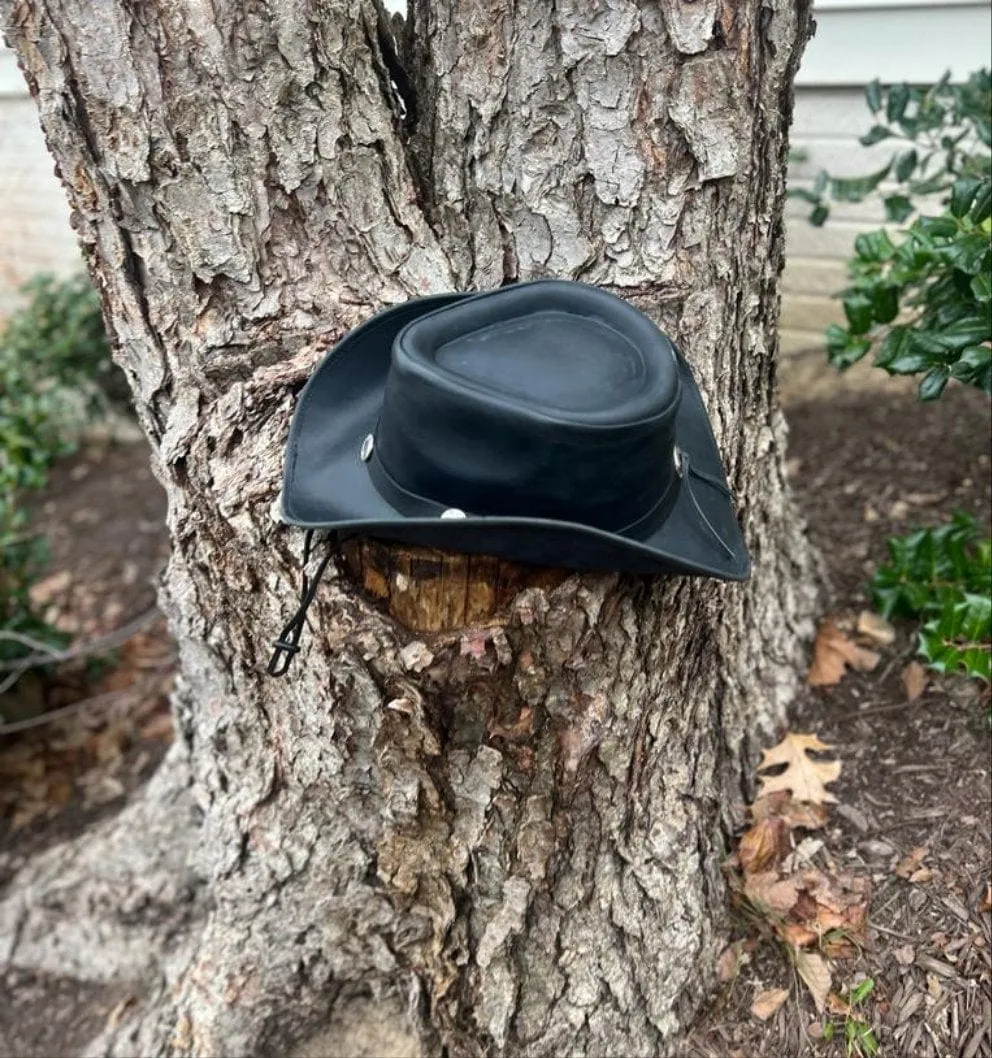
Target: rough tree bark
495, 840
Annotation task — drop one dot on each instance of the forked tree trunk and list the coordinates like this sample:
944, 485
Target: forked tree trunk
496, 840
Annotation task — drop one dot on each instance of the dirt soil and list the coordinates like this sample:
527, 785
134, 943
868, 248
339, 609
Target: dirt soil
867, 462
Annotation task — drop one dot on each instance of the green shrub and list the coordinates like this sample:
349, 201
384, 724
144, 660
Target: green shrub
922, 298
943, 577
55, 369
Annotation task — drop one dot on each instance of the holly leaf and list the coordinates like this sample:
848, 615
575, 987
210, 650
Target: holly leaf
803, 775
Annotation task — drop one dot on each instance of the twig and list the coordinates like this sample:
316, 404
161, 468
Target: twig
48, 656
891, 932
27, 641
37, 721
98, 699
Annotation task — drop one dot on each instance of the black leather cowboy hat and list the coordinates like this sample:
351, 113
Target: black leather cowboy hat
546, 422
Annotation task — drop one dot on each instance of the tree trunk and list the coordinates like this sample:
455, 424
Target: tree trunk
500, 839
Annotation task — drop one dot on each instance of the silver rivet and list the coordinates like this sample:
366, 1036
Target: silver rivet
677, 459
453, 512
366, 450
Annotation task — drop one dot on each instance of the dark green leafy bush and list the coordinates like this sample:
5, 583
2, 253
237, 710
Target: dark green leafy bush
922, 299
943, 577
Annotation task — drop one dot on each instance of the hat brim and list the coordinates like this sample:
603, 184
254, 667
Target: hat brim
327, 486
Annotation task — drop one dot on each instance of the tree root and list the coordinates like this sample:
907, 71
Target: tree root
112, 902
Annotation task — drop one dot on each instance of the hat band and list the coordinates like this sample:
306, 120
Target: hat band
412, 505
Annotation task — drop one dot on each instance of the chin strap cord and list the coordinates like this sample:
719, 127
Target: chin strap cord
287, 646
688, 468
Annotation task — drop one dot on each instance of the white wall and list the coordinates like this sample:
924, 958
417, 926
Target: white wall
34, 218
896, 40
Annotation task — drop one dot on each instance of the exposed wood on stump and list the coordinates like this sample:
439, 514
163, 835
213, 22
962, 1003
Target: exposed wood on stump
427, 590
500, 840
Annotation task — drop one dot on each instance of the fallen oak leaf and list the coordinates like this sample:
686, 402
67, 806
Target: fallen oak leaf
767, 1002
764, 845
874, 627
798, 935
815, 972
833, 653
795, 813
768, 892
803, 776
915, 680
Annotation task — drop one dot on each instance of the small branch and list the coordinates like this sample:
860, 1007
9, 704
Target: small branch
47, 656
27, 641
107, 698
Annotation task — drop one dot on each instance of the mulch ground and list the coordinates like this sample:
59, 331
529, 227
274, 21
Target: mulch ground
867, 461
916, 775
103, 517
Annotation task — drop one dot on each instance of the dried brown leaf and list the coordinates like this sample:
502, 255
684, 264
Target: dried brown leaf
767, 1002
803, 776
833, 653
798, 934
815, 972
837, 1005
795, 813
766, 890
909, 863
764, 845
875, 628
987, 902
914, 679
840, 904
729, 961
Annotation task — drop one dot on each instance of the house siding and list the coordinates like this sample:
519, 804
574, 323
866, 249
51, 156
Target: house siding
35, 235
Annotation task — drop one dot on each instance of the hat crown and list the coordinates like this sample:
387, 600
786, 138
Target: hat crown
531, 401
